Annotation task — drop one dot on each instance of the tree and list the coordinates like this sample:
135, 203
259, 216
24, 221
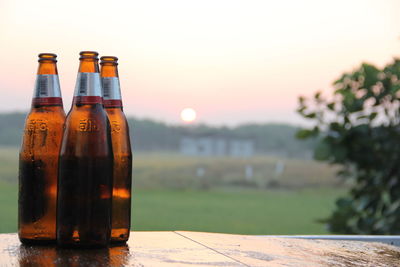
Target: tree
358, 129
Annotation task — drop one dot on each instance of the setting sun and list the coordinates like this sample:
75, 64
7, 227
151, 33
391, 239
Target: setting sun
188, 115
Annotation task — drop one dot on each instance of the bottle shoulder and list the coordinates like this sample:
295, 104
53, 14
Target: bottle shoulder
87, 110
116, 114
54, 113
87, 118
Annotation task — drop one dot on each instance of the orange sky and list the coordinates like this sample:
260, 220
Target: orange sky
231, 61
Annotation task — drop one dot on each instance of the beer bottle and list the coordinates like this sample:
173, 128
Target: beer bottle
86, 164
38, 158
121, 207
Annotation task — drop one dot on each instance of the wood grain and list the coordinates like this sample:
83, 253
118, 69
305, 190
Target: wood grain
204, 249
273, 251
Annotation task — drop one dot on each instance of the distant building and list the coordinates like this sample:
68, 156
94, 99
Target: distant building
216, 146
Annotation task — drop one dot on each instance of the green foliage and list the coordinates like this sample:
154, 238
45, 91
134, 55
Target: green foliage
358, 129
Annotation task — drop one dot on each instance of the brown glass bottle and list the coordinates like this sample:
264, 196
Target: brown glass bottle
121, 207
38, 158
86, 162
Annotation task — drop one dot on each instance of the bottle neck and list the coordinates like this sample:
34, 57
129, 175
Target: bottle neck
47, 90
47, 67
88, 85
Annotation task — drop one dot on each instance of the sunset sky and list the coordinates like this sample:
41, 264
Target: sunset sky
231, 61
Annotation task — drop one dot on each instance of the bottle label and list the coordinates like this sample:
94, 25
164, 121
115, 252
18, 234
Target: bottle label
111, 92
88, 84
88, 88
47, 90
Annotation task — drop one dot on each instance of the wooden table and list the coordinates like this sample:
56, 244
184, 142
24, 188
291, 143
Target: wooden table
204, 249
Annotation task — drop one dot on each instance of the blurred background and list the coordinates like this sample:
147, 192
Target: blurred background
211, 92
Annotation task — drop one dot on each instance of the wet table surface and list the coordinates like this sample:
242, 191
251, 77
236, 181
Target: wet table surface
204, 249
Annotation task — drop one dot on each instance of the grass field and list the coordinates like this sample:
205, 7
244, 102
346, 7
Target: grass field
155, 171
230, 211
244, 212
168, 196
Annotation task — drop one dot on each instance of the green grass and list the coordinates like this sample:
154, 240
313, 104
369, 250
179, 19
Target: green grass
242, 212
9, 164
8, 207
168, 196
